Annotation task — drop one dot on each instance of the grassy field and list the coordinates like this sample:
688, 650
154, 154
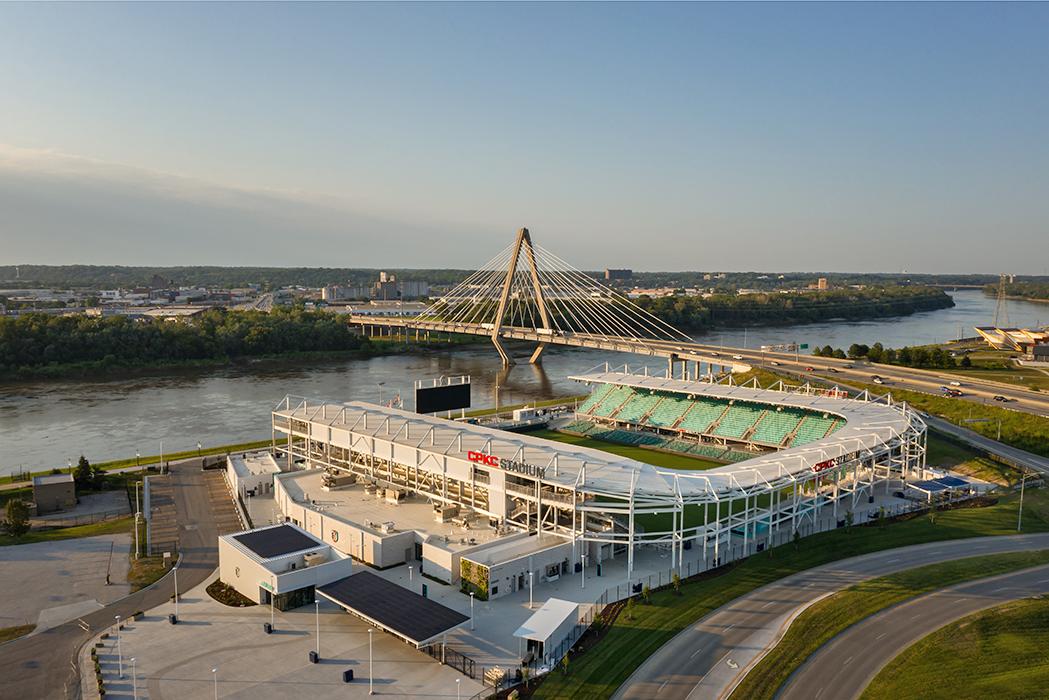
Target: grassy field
106, 527
834, 614
629, 642
1024, 430
154, 459
655, 457
950, 455
9, 633
998, 653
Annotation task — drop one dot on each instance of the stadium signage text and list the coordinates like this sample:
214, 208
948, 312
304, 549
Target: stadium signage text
832, 463
506, 464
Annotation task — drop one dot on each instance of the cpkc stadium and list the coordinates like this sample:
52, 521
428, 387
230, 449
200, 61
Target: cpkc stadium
488, 509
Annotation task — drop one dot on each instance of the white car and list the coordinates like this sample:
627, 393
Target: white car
737, 357
956, 383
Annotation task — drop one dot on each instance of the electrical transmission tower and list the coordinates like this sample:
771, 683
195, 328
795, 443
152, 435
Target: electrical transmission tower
1001, 309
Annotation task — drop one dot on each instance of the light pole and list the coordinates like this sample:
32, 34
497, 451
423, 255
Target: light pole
215, 679
371, 676
134, 680
161, 456
471, 610
317, 605
138, 458
120, 654
409, 573
379, 384
1020, 513
582, 571
199, 448
273, 594
138, 514
457, 681
529, 589
175, 572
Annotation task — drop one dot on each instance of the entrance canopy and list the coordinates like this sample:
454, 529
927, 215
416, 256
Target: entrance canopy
551, 620
392, 608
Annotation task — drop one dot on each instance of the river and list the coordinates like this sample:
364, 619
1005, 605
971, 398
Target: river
46, 423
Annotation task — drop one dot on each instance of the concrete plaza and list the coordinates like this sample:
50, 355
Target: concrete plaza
176, 661
48, 583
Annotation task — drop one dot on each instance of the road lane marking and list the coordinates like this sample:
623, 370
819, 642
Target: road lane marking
661, 688
696, 652
880, 636
770, 602
890, 561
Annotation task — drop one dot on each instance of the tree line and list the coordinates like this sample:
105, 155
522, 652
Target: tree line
697, 313
37, 341
920, 357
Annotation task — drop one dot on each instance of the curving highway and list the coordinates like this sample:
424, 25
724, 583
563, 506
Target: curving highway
844, 666
43, 665
705, 660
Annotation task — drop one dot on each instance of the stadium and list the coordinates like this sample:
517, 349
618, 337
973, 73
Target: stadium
485, 508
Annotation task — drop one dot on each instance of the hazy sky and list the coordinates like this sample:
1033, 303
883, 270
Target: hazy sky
658, 136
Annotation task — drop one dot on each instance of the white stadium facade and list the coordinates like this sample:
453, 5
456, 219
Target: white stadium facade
523, 503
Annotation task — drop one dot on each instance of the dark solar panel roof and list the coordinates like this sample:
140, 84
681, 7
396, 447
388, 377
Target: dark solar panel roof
394, 607
275, 541
952, 481
929, 485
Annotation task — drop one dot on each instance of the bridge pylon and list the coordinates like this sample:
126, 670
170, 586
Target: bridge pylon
523, 243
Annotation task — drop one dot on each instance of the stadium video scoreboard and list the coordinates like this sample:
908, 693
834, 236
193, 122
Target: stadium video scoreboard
442, 394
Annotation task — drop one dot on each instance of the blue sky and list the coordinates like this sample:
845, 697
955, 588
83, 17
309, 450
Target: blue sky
655, 136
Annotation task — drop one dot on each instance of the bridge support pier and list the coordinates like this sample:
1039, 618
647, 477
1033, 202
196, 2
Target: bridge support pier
508, 361
535, 358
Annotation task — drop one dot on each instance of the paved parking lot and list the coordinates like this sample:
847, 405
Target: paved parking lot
62, 579
176, 661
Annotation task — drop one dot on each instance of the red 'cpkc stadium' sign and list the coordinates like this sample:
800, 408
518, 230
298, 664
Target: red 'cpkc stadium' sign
506, 464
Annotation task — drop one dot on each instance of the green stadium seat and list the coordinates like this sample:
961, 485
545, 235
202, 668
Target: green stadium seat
699, 417
738, 419
613, 400
637, 407
812, 428
599, 393
775, 426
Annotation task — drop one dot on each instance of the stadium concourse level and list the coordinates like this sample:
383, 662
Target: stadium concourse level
729, 430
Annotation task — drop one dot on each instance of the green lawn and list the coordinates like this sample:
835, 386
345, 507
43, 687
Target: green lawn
601, 670
168, 457
950, 455
656, 458
833, 615
1024, 430
998, 653
106, 527
9, 633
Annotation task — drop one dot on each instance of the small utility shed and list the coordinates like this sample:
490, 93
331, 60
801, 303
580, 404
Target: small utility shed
548, 632
54, 492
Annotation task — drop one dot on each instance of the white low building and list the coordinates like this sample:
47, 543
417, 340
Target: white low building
279, 561
251, 474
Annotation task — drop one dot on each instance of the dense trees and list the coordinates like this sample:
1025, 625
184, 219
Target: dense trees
1024, 290
37, 341
696, 313
921, 357
16, 521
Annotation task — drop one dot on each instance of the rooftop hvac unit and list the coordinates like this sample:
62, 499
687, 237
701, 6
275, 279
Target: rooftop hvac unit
386, 527
314, 558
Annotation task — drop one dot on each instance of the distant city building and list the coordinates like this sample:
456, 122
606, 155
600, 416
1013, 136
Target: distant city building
821, 283
622, 274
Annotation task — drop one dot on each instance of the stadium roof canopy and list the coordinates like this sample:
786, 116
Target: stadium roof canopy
428, 440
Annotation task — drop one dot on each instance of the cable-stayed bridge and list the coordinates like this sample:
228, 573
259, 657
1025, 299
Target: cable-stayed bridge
526, 293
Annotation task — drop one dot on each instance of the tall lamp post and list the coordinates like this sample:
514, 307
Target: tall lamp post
175, 572
120, 653
582, 571
379, 384
471, 610
1020, 513
530, 589
317, 605
215, 681
199, 448
371, 676
134, 680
